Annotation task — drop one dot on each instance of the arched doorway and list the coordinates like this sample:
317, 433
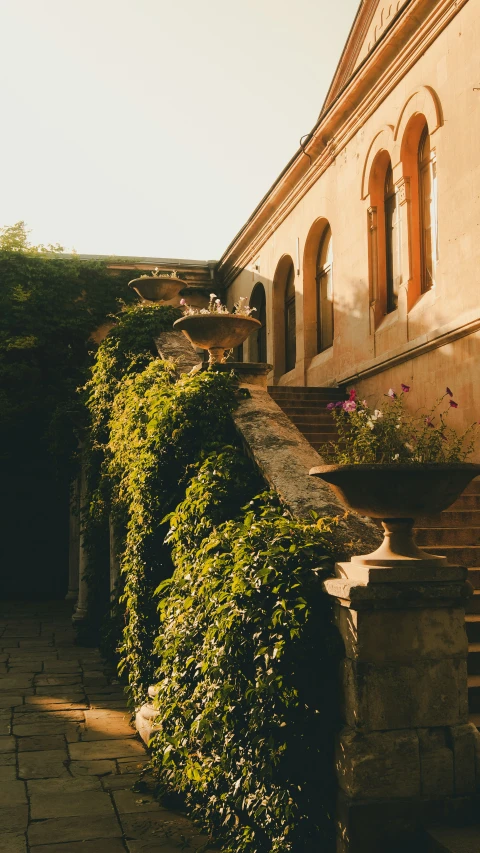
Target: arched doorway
258, 340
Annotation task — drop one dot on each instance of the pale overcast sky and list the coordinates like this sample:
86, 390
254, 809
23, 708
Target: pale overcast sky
147, 127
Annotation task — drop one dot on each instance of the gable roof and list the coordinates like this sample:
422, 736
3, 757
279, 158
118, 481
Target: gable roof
373, 18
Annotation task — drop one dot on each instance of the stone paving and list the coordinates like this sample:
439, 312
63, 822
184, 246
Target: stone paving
68, 754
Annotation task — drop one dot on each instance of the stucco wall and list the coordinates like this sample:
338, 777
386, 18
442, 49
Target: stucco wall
443, 83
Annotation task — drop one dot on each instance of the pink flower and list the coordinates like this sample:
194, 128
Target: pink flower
405, 388
353, 394
429, 422
391, 393
339, 405
450, 393
453, 404
330, 406
349, 406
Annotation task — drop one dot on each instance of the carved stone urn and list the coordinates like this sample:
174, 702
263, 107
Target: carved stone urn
398, 493
157, 288
216, 333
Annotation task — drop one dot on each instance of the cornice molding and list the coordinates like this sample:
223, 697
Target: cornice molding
420, 26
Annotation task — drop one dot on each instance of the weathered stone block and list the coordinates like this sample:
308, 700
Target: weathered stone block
421, 694
433, 633
436, 763
378, 764
463, 743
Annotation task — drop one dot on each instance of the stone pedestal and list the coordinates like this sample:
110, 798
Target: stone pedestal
73, 542
248, 373
145, 717
405, 756
81, 609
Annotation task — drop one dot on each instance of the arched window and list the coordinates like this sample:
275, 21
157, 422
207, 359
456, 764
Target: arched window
258, 341
427, 185
420, 175
290, 321
391, 241
324, 295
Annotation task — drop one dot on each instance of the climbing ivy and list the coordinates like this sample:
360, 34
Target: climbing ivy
221, 603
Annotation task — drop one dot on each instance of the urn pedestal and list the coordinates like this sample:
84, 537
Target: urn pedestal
406, 754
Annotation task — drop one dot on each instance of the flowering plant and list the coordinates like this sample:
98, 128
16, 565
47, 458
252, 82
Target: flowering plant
215, 306
392, 434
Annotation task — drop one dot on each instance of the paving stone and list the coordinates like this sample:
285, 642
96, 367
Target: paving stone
47, 700
7, 744
49, 715
162, 825
57, 680
106, 749
58, 707
62, 695
11, 683
14, 820
7, 759
66, 785
41, 742
103, 726
62, 667
123, 781
86, 803
100, 767
41, 765
28, 668
108, 845
128, 801
12, 843
12, 794
57, 830
8, 773
127, 765
7, 701
59, 727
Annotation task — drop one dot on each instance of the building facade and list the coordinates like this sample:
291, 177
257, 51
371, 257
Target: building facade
362, 258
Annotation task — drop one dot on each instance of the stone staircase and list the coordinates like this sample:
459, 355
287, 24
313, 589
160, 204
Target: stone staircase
454, 533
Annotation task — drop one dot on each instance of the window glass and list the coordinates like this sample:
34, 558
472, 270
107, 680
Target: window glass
324, 280
391, 241
427, 180
290, 322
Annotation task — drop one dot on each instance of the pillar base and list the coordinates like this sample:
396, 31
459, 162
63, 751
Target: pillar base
71, 595
80, 614
406, 757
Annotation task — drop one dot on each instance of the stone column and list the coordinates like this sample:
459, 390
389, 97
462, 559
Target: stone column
405, 756
114, 558
82, 602
73, 542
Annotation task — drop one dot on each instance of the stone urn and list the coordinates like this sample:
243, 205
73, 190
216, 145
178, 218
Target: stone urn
398, 493
216, 333
157, 288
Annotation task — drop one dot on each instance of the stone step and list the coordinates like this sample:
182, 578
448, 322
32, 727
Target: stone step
439, 536
466, 502
460, 518
453, 839
474, 694
312, 418
473, 487
474, 576
306, 390
473, 661
473, 604
458, 555
308, 407
472, 625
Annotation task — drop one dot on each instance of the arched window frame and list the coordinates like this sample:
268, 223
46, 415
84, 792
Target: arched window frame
384, 231
290, 321
282, 275
258, 338
428, 211
324, 291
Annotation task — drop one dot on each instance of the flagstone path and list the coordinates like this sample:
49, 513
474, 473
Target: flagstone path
68, 755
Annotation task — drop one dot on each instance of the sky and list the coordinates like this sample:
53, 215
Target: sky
154, 127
